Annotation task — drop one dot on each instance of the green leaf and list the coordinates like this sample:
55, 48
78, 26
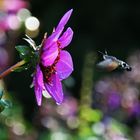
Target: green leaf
1, 94
7, 103
1, 108
25, 52
35, 59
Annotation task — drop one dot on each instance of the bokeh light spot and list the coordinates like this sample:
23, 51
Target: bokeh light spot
32, 23
13, 22
23, 14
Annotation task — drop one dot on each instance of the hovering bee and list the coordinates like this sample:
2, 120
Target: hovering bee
111, 63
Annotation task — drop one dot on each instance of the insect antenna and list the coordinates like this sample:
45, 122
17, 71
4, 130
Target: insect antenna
101, 52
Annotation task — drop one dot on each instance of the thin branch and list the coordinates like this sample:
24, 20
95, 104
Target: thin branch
12, 68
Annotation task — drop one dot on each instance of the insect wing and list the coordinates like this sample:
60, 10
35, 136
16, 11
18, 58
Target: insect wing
107, 65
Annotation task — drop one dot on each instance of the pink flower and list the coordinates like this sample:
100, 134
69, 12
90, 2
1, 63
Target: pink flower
55, 64
14, 5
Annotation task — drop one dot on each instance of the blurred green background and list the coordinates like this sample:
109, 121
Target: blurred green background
98, 105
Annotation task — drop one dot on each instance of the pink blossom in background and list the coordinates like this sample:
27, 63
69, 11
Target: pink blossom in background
14, 5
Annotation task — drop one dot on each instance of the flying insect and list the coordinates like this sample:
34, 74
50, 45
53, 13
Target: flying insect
111, 63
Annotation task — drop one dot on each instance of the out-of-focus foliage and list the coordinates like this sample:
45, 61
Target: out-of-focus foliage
4, 103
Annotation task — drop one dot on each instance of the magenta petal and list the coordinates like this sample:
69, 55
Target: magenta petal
49, 55
55, 35
38, 84
52, 38
55, 88
66, 38
64, 19
64, 67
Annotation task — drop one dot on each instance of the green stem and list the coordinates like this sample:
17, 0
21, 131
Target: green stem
86, 97
12, 68
87, 79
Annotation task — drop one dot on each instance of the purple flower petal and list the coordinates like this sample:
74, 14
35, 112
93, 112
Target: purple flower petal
64, 19
55, 88
38, 85
55, 35
66, 38
52, 39
64, 67
49, 55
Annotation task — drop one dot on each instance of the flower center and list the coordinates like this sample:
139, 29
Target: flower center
48, 71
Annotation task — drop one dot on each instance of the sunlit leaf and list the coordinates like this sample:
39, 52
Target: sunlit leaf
91, 115
25, 52
7, 103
